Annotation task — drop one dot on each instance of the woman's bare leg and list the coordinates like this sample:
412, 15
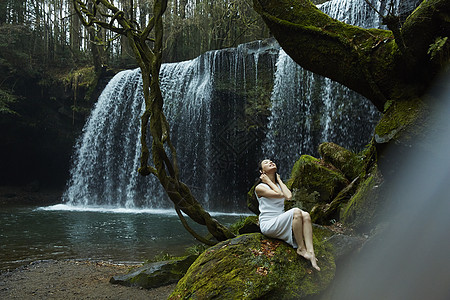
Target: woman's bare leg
297, 228
308, 236
302, 228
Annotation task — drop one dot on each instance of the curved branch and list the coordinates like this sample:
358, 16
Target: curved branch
328, 47
165, 166
191, 231
376, 63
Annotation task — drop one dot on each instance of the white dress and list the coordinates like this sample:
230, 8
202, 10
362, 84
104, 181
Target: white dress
274, 222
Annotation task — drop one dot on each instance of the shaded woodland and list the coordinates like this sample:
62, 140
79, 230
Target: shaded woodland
53, 32
52, 69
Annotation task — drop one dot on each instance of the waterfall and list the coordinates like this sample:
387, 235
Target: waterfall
205, 100
107, 154
226, 109
308, 109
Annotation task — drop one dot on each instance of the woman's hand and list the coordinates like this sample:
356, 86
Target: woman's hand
264, 178
278, 178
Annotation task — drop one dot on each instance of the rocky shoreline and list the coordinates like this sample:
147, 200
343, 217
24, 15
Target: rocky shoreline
73, 279
30, 194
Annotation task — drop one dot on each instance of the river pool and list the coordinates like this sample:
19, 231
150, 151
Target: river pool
29, 233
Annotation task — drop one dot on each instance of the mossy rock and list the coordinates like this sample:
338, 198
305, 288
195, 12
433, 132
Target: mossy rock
349, 163
361, 211
250, 225
252, 266
156, 274
402, 121
303, 199
311, 178
252, 201
326, 214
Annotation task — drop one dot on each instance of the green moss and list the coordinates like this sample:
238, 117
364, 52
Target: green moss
250, 225
399, 116
349, 163
314, 178
361, 211
84, 78
252, 266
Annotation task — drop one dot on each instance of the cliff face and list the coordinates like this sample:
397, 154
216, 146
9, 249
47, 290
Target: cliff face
40, 127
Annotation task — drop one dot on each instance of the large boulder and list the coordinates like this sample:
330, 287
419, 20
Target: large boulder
156, 274
361, 211
252, 201
349, 163
250, 225
252, 266
327, 213
314, 182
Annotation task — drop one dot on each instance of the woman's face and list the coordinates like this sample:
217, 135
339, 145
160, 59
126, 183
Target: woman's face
268, 166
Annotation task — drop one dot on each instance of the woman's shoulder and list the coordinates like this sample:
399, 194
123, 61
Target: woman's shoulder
262, 185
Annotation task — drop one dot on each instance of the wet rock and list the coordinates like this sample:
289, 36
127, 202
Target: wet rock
156, 274
252, 201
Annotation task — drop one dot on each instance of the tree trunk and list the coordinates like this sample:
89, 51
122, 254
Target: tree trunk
149, 61
3, 12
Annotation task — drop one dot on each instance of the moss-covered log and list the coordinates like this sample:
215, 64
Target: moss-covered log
376, 63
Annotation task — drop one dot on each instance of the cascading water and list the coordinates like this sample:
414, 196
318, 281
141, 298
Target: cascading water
107, 154
200, 95
308, 109
226, 109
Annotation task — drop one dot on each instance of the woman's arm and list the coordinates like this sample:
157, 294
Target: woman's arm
273, 192
286, 192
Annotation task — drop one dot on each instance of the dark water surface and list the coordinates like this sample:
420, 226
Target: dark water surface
59, 232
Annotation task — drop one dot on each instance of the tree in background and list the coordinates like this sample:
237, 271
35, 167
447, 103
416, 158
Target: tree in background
148, 54
192, 27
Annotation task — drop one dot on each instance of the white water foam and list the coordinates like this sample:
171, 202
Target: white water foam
123, 210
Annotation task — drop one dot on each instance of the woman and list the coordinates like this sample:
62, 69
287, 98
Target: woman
293, 226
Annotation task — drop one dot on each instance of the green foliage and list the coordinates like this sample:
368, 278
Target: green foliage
16, 52
196, 249
234, 228
437, 48
7, 98
162, 256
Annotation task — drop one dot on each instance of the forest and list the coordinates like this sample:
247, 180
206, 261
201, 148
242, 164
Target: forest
189, 93
50, 32
45, 50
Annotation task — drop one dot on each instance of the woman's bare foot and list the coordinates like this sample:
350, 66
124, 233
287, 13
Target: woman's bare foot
313, 261
302, 252
309, 256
